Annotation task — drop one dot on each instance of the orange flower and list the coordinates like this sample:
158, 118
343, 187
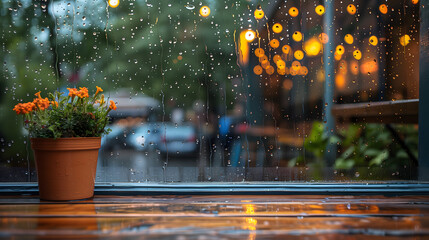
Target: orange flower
37, 94
72, 92
41, 103
98, 90
112, 105
54, 104
83, 92
24, 108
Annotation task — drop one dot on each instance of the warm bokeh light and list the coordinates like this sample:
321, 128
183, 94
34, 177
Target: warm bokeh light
287, 84
270, 70
354, 67
257, 70
259, 52
323, 38
357, 54
281, 71
259, 14
281, 64
337, 56
348, 39
312, 47
249, 35
369, 67
340, 81
286, 49
303, 70
351, 9
415, 1
339, 50
373, 40
113, 3
276, 58
383, 8
298, 54
244, 49
297, 36
320, 75
404, 40
320, 10
277, 28
205, 11
263, 58
274, 43
295, 65
293, 11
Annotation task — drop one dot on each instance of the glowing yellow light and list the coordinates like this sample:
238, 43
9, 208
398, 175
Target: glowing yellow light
404, 40
259, 52
281, 71
277, 28
287, 84
293, 11
274, 43
303, 70
298, 54
113, 3
295, 65
205, 11
373, 40
320, 10
312, 47
243, 55
348, 39
339, 50
249, 35
351, 9
270, 70
281, 64
259, 13
276, 58
297, 36
293, 72
357, 54
323, 37
257, 70
383, 8
415, 1
286, 49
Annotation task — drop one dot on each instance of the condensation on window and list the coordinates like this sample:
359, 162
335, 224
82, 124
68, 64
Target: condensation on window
221, 91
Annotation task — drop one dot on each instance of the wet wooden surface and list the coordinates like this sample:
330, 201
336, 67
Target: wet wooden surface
216, 217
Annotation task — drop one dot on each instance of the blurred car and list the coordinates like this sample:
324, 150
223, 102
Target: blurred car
178, 141
144, 137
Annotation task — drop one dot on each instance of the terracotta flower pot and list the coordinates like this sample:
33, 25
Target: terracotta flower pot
66, 167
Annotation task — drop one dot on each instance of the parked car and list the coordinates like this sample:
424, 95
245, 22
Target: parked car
178, 140
144, 137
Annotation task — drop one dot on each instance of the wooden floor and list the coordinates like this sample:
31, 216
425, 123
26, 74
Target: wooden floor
216, 217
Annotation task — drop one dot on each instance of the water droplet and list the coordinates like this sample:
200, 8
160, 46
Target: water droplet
190, 6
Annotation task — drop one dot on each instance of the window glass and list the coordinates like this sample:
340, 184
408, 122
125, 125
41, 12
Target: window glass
226, 91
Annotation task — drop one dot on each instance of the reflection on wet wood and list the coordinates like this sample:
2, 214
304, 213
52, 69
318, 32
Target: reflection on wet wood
213, 217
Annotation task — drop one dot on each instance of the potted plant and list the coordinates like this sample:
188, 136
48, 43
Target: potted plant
65, 132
